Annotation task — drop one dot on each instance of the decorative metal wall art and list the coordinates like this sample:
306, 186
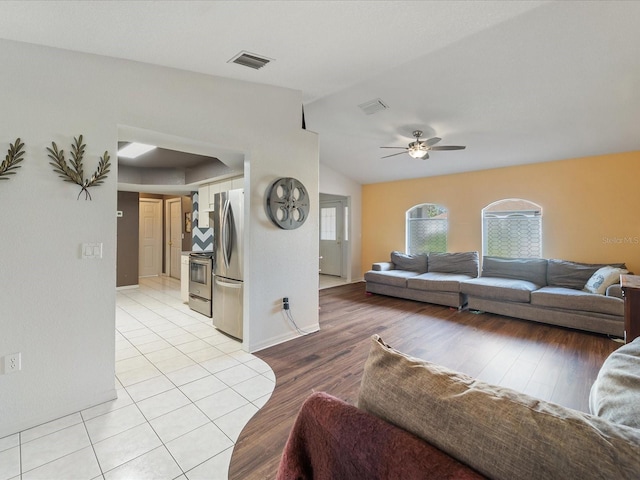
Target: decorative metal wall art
75, 173
14, 156
287, 203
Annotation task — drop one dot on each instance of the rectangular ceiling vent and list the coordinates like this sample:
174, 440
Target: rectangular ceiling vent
250, 60
373, 106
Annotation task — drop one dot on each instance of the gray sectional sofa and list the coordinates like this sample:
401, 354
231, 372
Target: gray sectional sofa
540, 290
434, 278
546, 291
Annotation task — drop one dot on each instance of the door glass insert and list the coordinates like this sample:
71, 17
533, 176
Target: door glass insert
328, 227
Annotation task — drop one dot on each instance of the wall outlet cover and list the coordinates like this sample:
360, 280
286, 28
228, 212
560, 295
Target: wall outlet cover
12, 363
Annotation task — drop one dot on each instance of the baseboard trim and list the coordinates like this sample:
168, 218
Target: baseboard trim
277, 340
47, 416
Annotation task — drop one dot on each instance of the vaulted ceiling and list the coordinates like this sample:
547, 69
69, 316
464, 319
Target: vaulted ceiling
516, 82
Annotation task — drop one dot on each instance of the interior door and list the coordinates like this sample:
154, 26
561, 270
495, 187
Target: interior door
174, 212
331, 237
150, 237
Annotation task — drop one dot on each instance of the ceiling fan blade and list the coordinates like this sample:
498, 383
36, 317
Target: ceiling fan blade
432, 141
396, 147
425, 157
448, 147
394, 154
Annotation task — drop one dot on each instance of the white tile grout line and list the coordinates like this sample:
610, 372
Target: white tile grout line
136, 292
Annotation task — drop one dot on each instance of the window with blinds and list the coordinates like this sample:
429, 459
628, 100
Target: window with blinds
512, 228
427, 227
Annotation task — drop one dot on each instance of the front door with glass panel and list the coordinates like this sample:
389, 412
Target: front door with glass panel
331, 237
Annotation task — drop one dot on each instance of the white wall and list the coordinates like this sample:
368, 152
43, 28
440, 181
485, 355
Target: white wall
335, 183
58, 310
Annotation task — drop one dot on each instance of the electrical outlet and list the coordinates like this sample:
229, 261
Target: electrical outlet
12, 363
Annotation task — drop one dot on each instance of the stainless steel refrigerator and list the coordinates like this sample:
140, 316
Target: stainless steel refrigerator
228, 219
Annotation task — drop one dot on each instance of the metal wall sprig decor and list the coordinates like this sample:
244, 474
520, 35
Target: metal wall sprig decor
75, 173
14, 156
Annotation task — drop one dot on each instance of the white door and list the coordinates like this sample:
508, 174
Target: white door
150, 237
331, 237
174, 234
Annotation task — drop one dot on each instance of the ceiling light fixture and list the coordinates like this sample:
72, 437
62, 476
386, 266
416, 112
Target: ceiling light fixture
134, 150
418, 150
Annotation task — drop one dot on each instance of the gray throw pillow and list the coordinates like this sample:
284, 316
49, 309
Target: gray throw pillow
464, 263
614, 394
532, 270
503, 434
413, 263
563, 273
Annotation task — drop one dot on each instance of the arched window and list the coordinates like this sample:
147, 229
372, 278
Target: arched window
427, 226
512, 228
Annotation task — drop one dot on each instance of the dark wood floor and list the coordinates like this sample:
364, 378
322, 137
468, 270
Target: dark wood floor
547, 362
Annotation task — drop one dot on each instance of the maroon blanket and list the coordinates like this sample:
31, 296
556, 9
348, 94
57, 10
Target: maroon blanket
333, 440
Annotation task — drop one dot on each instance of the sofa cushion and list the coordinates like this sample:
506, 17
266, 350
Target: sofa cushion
603, 278
507, 289
577, 300
614, 394
396, 278
562, 273
465, 263
499, 432
437, 282
532, 270
415, 263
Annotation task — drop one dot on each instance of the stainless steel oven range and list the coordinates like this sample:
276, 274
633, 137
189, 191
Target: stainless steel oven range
200, 282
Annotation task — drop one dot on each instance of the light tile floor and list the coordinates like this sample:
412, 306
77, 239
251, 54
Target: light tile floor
328, 281
185, 391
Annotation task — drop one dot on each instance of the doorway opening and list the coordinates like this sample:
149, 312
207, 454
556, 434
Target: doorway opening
334, 242
150, 237
174, 235
169, 173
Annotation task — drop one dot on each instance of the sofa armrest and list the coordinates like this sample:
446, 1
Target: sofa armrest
382, 266
614, 290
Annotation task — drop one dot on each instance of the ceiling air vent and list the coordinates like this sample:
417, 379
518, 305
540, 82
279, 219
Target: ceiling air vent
373, 106
250, 60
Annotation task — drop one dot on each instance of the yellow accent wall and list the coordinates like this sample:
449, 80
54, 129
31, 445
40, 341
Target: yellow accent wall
590, 208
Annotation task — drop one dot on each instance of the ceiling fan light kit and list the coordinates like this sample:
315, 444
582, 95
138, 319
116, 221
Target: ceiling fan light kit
420, 148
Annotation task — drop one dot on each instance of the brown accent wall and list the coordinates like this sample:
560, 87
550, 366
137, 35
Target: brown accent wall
127, 239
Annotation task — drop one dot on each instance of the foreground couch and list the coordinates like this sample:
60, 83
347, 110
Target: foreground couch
537, 289
418, 420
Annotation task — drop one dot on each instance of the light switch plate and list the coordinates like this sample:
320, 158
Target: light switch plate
91, 250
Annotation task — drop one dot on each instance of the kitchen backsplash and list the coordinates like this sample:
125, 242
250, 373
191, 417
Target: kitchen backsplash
201, 238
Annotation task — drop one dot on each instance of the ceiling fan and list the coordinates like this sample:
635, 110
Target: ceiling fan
420, 148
